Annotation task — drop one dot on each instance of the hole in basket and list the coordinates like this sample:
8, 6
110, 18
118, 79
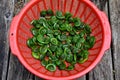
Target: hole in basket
11, 34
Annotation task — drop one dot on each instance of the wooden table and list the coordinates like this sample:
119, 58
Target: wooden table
107, 69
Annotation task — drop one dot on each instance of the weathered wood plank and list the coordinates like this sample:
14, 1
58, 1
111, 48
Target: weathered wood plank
114, 6
103, 71
37, 78
22, 74
16, 71
100, 4
6, 11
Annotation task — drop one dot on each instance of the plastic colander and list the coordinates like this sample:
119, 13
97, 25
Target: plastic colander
84, 9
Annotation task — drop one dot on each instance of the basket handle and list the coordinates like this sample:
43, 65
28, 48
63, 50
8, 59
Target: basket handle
12, 36
107, 31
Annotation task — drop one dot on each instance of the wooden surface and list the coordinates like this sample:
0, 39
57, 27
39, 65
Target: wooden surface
107, 69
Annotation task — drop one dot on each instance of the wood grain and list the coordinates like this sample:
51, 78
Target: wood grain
6, 13
12, 69
114, 6
17, 71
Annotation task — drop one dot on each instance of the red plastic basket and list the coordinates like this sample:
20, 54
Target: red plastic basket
85, 9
